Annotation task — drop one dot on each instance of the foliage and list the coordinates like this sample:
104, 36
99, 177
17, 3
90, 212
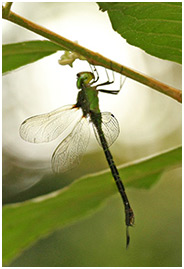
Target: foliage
79, 200
22, 53
153, 27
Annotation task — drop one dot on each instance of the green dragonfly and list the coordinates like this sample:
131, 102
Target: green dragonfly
75, 120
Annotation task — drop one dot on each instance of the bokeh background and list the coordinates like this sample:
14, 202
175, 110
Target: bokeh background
149, 121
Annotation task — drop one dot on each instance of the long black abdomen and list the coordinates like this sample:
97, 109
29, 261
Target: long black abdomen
96, 119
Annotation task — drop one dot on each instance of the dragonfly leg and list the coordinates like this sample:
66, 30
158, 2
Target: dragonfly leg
93, 71
109, 91
110, 82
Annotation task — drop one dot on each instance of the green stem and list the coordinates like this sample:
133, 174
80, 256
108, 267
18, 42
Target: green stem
7, 8
92, 57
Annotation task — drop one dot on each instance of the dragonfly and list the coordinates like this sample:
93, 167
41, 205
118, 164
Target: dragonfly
72, 122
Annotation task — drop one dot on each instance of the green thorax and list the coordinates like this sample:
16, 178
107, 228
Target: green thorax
87, 98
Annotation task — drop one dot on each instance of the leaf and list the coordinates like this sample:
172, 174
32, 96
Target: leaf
25, 223
18, 54
153, 27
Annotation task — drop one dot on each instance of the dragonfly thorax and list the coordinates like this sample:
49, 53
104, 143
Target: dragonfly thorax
84, 78
87, 100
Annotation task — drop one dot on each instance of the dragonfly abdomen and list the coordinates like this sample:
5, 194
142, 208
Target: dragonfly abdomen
129, 215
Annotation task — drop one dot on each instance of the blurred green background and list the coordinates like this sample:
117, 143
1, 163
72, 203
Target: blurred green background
150, 122
100, 239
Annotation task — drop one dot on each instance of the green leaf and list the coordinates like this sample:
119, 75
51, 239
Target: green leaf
25, 223
153, 27
19, 54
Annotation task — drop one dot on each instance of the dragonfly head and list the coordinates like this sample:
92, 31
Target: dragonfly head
84, 78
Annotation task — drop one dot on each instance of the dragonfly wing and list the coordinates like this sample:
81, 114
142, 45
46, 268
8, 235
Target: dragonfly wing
69, 152
110, 128
47, 127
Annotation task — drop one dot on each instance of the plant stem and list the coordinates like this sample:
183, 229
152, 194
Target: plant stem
7, 8
92, 57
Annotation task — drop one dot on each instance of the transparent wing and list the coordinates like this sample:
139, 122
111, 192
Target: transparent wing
47, 127
110, 128
69, 152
